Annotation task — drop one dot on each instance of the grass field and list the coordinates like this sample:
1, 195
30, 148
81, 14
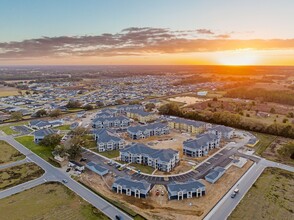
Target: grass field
48, 201
271, 197
9, 153
63, 127
7, 128
8, 91
44, 152
19, 174
110, 154
264, 141
142, 168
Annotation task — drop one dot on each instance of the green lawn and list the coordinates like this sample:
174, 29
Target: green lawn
264, 141
142, 168
63, 127
19, 174
109, 154
9, 153
7, 128
44, 152
271, 197
48, 201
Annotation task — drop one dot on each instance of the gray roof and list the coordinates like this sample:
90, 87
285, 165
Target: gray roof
132, 184
190, 185
142, 128
44, 132
139, 112
200, 141
163, 154
112, 119
104, 135
189, 122
222, 128
95, 167
215, 173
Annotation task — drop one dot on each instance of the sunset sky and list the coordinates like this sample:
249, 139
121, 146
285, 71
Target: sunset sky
227, 32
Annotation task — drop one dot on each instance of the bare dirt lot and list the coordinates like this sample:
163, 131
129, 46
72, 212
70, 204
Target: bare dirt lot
159, 207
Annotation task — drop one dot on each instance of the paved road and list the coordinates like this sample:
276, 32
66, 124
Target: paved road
16, 163
225, 207
54, 174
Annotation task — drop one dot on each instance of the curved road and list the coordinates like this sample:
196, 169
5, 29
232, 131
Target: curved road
54, 174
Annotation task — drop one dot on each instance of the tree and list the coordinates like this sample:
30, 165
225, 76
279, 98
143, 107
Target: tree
150, 106
135, 102
51, 140
79, 131
55, 113
28, 92
73, 104
285, 120
214, 99
75, 146
88, 107
273, 111
99, 104
17, 116
290, 115
41, 113
60, 150
170, 109
19, 92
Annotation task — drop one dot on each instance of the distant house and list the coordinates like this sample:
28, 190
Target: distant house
185, 190
202, 93
125, 108
141, 116
100, 170
76, 165
263, 114
40, 134
129, 187
113, 122
201, 145
164, 159
145, 131
186, 125
41, 124
222, 131
107, 140
215, 174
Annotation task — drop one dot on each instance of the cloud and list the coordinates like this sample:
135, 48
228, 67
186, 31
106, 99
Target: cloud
133, 41
204, 31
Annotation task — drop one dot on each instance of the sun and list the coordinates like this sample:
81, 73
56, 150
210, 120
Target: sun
244, 57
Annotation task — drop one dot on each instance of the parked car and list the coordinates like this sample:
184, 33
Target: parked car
117, 166
83, 159
236, 190
68, 169
117, 217
64, 181
233, 195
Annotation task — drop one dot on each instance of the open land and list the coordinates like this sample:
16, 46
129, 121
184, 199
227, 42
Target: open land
48, 201
16, 175
8, 153
271, 197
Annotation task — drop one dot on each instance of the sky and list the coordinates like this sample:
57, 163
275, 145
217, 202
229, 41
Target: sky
200, 32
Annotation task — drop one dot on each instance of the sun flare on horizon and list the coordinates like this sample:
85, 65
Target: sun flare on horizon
246, 57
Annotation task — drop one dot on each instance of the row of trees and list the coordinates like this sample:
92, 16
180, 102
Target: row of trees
229, 119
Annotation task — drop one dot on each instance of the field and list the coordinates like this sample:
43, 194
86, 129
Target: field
8, 91
281, 150
8, 153
271, 197
159, 207
48, 201
142, 168
109, 154
7, 128
264, 141
63, 127
19, 174
44, 152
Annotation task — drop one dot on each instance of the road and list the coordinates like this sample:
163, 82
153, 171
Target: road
225, 206
16, 163
54, 174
